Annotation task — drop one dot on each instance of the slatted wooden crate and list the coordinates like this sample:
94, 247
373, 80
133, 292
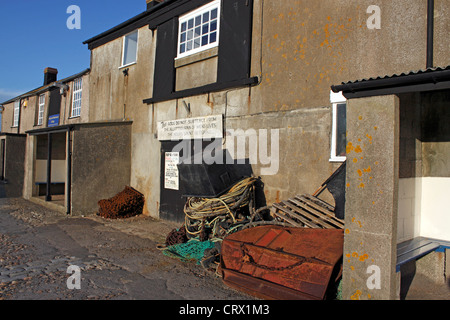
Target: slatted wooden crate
307, 211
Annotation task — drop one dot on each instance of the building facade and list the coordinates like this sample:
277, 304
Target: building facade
259, 81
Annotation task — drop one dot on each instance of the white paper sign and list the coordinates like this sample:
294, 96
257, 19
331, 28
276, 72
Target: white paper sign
209, 127
171, 170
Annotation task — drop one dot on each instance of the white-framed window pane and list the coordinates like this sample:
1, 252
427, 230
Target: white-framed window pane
198, 30
41, 109
16, 113
130, 48
76, 97
341, 129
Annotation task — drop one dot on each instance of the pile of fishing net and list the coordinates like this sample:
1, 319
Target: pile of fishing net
127, 203
215, 218
208, 221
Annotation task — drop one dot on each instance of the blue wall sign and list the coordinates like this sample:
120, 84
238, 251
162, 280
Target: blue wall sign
53, 121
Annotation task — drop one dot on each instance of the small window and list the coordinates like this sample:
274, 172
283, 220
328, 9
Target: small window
16, 113
41, 109
129, 52
339, 127
76, 97
199, 30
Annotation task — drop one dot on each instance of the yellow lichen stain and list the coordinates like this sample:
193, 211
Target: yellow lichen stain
375, 128
355, 160
363, 257
370, 138
348, 255
356, 295
369, 169
355, 255
347, 231
349, 147
352, 268
348, 185
362, 185
360, 117
358, 149
275, 36
360, 172
357, 222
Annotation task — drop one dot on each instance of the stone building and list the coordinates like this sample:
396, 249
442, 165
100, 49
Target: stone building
267, 73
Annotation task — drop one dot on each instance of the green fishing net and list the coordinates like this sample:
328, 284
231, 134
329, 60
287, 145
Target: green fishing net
191, 250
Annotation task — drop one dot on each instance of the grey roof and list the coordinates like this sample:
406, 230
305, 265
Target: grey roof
429, 79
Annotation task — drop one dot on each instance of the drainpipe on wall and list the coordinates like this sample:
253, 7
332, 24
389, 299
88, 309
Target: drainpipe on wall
430, 33
48, 196
69, 170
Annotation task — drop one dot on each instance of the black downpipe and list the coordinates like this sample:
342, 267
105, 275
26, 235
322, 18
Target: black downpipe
430, 33
48, 196
69, 170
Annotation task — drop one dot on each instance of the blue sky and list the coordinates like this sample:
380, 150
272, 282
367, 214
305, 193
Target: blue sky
34, 35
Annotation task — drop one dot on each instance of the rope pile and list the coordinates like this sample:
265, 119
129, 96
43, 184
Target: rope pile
209, 220
214, 218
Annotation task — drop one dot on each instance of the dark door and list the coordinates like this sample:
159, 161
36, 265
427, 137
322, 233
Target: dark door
171, 199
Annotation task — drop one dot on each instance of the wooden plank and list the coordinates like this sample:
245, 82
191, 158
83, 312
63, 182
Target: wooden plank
314, 219
417, 253
282, 216
306, 223
309, 201
326, 212
322, 216
292, 214
411, 245
326, 205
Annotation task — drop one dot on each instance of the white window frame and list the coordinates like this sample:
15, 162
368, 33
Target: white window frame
16, 113
335, 99
77, 94
41, 109
185, 18
122, 65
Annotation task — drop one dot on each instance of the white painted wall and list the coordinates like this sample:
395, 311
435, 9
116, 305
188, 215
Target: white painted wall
409, 208
424, 208
435, 216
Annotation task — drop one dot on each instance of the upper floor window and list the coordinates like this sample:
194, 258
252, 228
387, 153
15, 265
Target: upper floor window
199, 29
339, 127
41, 109
16, 113
76, 97
129, 52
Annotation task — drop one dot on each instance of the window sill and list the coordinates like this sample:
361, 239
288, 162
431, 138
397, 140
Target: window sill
337, 159
74, 117
127, 65
196, 57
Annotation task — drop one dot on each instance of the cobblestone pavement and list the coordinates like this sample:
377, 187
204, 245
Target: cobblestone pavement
118, 259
